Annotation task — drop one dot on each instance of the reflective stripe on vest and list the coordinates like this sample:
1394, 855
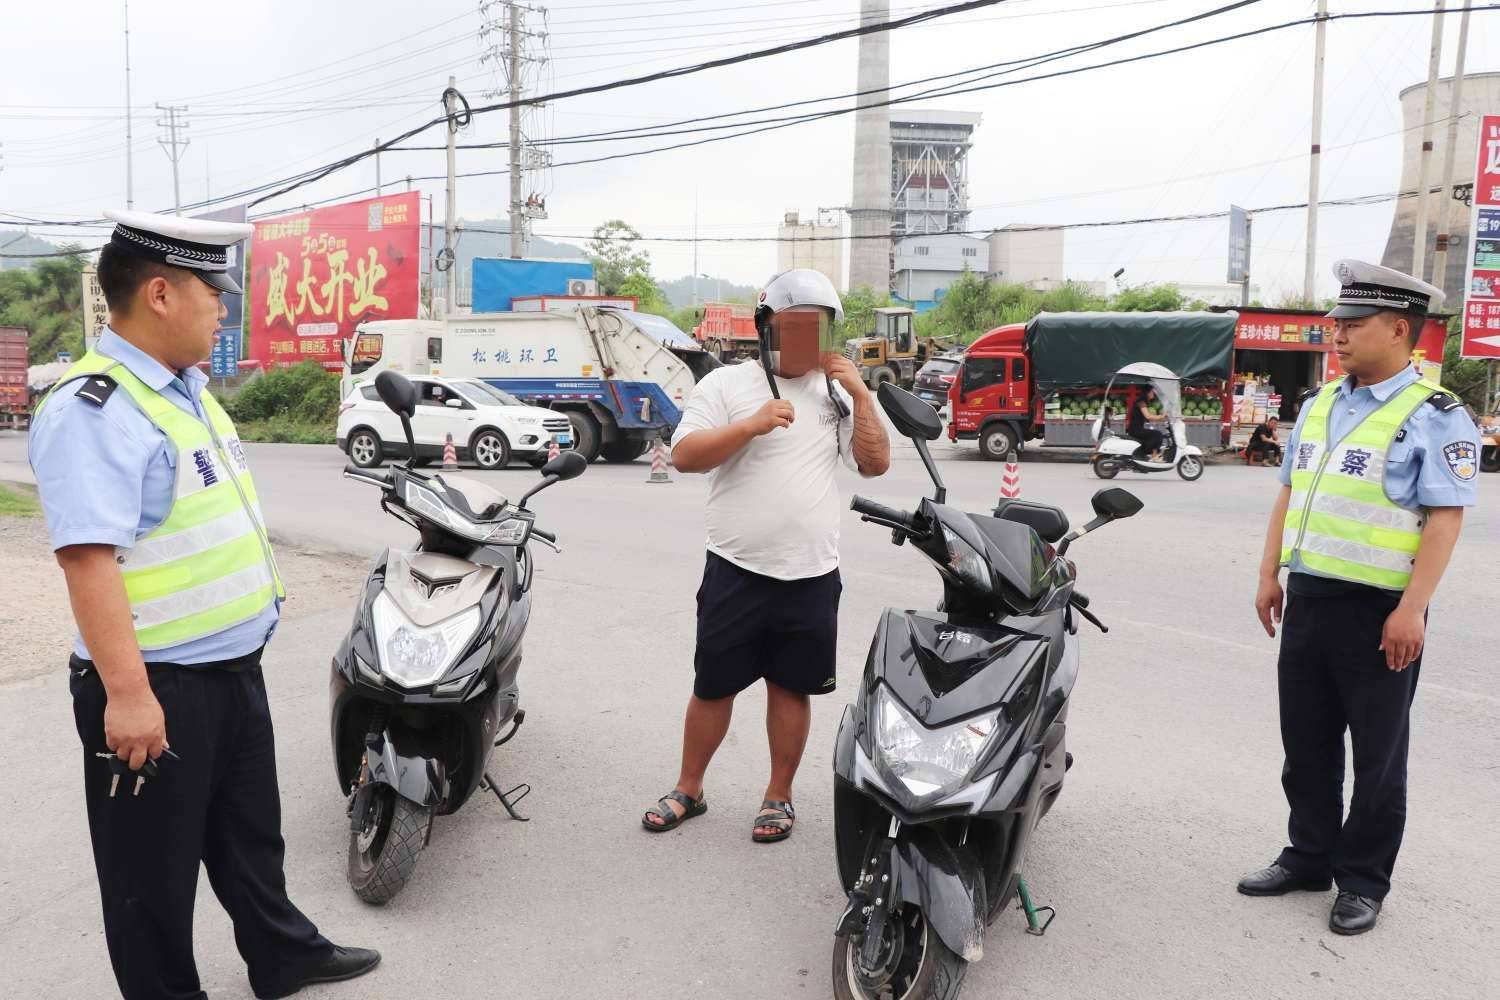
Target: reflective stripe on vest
208, 566
1339, 521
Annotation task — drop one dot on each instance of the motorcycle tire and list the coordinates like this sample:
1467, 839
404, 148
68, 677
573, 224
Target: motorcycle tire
1190, 468
383, 856
1489, 458
1106, 468
938, 974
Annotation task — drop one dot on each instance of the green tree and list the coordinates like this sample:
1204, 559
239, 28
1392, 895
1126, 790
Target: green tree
47, 300
617, 256
1147, 298
859, 312
648, 297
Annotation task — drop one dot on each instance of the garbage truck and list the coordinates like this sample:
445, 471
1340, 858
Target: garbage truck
621, 377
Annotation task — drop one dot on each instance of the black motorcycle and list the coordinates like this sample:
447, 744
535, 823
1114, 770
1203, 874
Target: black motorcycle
954, 748
426, 678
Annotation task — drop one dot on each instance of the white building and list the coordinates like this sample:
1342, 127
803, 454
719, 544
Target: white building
818, 246
1020, 255
926, 264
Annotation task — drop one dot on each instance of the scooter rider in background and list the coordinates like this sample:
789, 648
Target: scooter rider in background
1137, 426
770, 435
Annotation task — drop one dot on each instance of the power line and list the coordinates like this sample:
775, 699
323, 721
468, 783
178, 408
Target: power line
668, 74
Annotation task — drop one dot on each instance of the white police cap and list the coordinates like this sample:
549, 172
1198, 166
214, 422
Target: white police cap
197, 245
1366, 289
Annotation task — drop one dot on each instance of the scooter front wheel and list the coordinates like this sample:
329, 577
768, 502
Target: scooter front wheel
915, 963
1190, 468
1106, 467
383, 855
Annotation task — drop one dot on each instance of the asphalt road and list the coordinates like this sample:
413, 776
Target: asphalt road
1175, 793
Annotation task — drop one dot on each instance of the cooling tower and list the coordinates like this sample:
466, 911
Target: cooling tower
1481, 95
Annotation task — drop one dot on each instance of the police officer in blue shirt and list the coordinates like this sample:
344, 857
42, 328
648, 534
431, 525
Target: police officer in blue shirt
1374, 483
153, 517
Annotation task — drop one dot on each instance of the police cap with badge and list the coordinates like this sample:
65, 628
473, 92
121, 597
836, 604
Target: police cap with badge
1366, 289
196, 245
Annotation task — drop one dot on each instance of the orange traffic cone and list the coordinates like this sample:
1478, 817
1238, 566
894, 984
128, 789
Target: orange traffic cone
450, 456
1010, 483
659, 463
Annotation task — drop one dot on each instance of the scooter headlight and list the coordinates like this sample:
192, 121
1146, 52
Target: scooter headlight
414, 656
966, 563
927, 762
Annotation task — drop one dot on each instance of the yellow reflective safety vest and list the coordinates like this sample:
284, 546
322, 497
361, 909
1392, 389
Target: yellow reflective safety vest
208, 566
1340, 523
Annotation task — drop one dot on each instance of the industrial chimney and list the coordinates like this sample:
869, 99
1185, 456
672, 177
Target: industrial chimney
870, 206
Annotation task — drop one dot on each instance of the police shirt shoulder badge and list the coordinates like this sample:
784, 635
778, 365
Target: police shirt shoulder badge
1461, 458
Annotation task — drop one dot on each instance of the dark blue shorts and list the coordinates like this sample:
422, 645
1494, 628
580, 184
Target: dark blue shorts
752, 627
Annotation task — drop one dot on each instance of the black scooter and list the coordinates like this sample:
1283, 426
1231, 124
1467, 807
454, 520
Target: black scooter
426, 678
954, 748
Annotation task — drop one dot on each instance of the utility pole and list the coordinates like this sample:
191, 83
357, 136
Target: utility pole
449, 256
513, 74
1419, 235
512, 59
129, 129
695, 248
173, 146
1455, 111
1315, 161
377, 166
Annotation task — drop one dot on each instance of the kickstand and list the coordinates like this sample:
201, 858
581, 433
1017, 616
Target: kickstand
508, 799
1033, 925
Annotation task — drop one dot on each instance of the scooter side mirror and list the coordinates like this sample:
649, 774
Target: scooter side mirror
568, 465
1109, 505
1116, 504
397, 393
911, 417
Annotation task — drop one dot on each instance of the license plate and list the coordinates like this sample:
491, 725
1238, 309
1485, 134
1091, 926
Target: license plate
564, 440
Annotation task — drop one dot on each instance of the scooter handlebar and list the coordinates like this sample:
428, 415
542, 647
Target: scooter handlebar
545, 536
880, 512
352, 471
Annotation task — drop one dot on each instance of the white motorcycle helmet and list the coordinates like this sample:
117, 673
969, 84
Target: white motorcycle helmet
799, 286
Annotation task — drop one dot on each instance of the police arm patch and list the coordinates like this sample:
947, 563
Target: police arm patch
1462, 459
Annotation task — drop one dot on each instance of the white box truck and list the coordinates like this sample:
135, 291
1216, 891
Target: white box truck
621, 377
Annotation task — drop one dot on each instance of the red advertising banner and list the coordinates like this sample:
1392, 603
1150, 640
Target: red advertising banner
1482, 294
315, 275
1273, 331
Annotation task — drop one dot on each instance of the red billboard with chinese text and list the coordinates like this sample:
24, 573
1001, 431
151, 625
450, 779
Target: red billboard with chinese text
1482, 292
315, 275
1277, 331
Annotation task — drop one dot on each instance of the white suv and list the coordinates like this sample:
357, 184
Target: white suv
489, 426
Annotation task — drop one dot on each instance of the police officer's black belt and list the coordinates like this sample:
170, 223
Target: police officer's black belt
249, 661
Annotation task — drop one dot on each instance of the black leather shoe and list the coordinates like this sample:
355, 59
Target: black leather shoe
344, 963
1353, 913
1278, 881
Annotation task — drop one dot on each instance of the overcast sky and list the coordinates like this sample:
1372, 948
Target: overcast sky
277, 87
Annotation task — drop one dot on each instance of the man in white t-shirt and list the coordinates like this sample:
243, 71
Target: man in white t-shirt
768, 606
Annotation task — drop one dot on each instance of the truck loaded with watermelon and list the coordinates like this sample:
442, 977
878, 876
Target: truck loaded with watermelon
1045, 379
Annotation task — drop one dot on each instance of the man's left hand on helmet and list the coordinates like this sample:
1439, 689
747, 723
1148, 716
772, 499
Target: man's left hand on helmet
842, 371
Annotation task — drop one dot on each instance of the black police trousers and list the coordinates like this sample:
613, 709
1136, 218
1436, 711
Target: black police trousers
1333, 677
217, 804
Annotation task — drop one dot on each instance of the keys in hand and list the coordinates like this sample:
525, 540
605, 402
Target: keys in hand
118, 768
